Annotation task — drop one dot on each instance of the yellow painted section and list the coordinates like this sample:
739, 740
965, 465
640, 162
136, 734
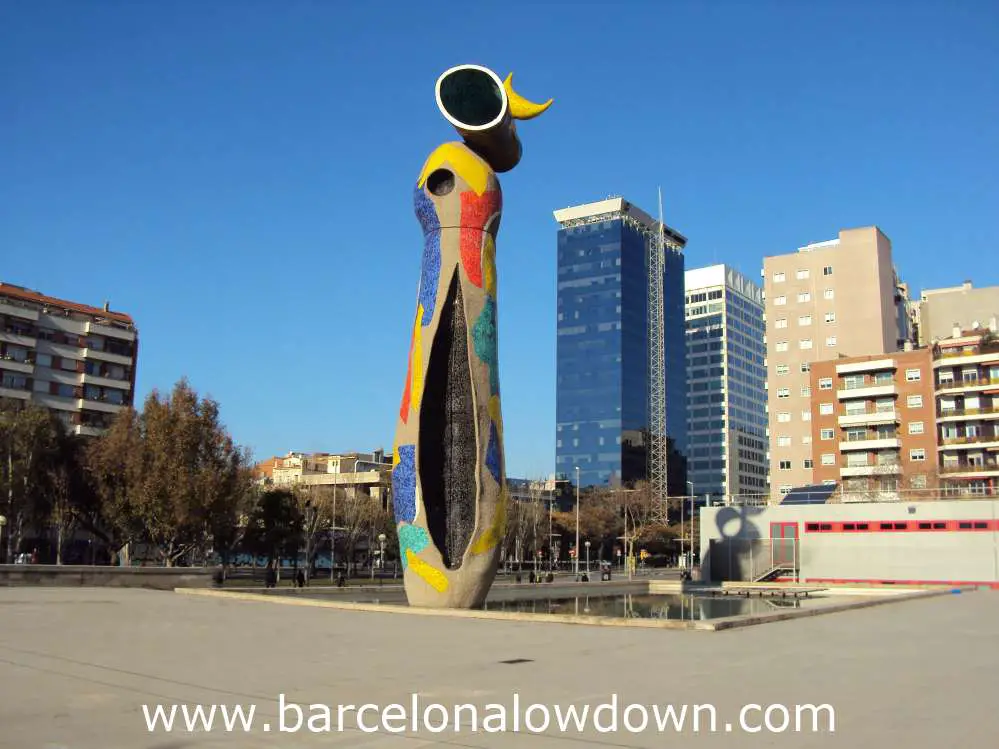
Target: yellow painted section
466, 165
395, 452
521, 108
494, 414
433, 576
489, 265
491, 536
416, 386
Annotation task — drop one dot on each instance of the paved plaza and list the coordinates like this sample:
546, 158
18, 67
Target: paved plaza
76, 666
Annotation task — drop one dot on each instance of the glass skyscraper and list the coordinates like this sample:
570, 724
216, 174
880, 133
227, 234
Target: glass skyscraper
602, 392
727, 408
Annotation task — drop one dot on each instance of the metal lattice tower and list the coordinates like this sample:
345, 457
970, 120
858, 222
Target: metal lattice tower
658, 452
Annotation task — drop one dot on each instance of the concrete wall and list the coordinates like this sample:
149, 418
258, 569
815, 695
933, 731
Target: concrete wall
157, 578
952, 556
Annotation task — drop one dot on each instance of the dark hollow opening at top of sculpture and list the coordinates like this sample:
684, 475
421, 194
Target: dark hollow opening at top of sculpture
471, 97
447, 449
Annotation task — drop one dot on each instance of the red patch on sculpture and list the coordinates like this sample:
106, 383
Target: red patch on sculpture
476, 210
404, 408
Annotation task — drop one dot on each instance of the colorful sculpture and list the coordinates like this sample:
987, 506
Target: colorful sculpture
448, 479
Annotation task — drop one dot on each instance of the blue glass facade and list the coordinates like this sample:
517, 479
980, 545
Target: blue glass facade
602, 392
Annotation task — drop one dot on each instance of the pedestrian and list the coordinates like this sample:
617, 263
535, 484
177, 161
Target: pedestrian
270, 574
300, 579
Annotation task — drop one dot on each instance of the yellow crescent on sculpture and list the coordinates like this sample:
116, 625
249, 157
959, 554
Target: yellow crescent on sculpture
521, 108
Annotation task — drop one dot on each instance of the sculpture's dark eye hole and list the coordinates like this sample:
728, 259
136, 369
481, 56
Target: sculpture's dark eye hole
440, 182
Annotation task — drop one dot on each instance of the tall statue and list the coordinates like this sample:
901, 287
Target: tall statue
448, 475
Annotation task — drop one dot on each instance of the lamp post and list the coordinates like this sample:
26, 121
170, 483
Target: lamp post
576, 555
587, 545
3, 522
381, 551
690, 485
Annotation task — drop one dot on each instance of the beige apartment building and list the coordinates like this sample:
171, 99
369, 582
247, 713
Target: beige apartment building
840, 297
966, 367
78, 361
874, 426
939, 311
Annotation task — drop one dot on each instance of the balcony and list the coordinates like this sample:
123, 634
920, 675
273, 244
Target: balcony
92, 353
18, 339
959, 414
887, 443
982, 441
867, 391
870, 417
967, 386
866, 366
955, 358
110, 331
15, 393
12, 365
108, 382
88, 431
12, 310
969, 471
98, 405
887, 469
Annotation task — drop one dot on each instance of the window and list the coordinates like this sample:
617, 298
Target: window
785, 490
43, 360
919, 482
830, 340
918, 454
946, 377
805, 367
828, 459
805, 343
806, 391
856, 434
781, 323
807, 463
912, 375
826, 409
780, 301
802, 274
827, 271
778, 278
827, 434
804, 296
882, 378
914, 401
828, 294
856, 407
783, 442
804, 320
783, 392
806, 415
785, 465
783, 369
915, 427
830, 317
781, 346
852, 382
825, 383
783, 418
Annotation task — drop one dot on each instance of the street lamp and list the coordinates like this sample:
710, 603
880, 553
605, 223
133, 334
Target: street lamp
381, 551
3, 522
587, 545
690, 485
576, 555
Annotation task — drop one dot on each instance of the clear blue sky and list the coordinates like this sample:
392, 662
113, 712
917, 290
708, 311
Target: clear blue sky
238, 175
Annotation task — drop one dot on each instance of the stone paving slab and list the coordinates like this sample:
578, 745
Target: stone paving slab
76, 665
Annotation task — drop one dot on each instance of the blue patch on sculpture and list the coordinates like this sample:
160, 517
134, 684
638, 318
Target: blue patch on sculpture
404, 485
411, 537
430, 269
484, 335
492, 453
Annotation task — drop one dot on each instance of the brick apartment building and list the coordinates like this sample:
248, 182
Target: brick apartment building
874, 425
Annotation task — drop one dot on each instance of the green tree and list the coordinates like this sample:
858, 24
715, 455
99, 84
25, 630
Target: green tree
29, 443
275, 524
